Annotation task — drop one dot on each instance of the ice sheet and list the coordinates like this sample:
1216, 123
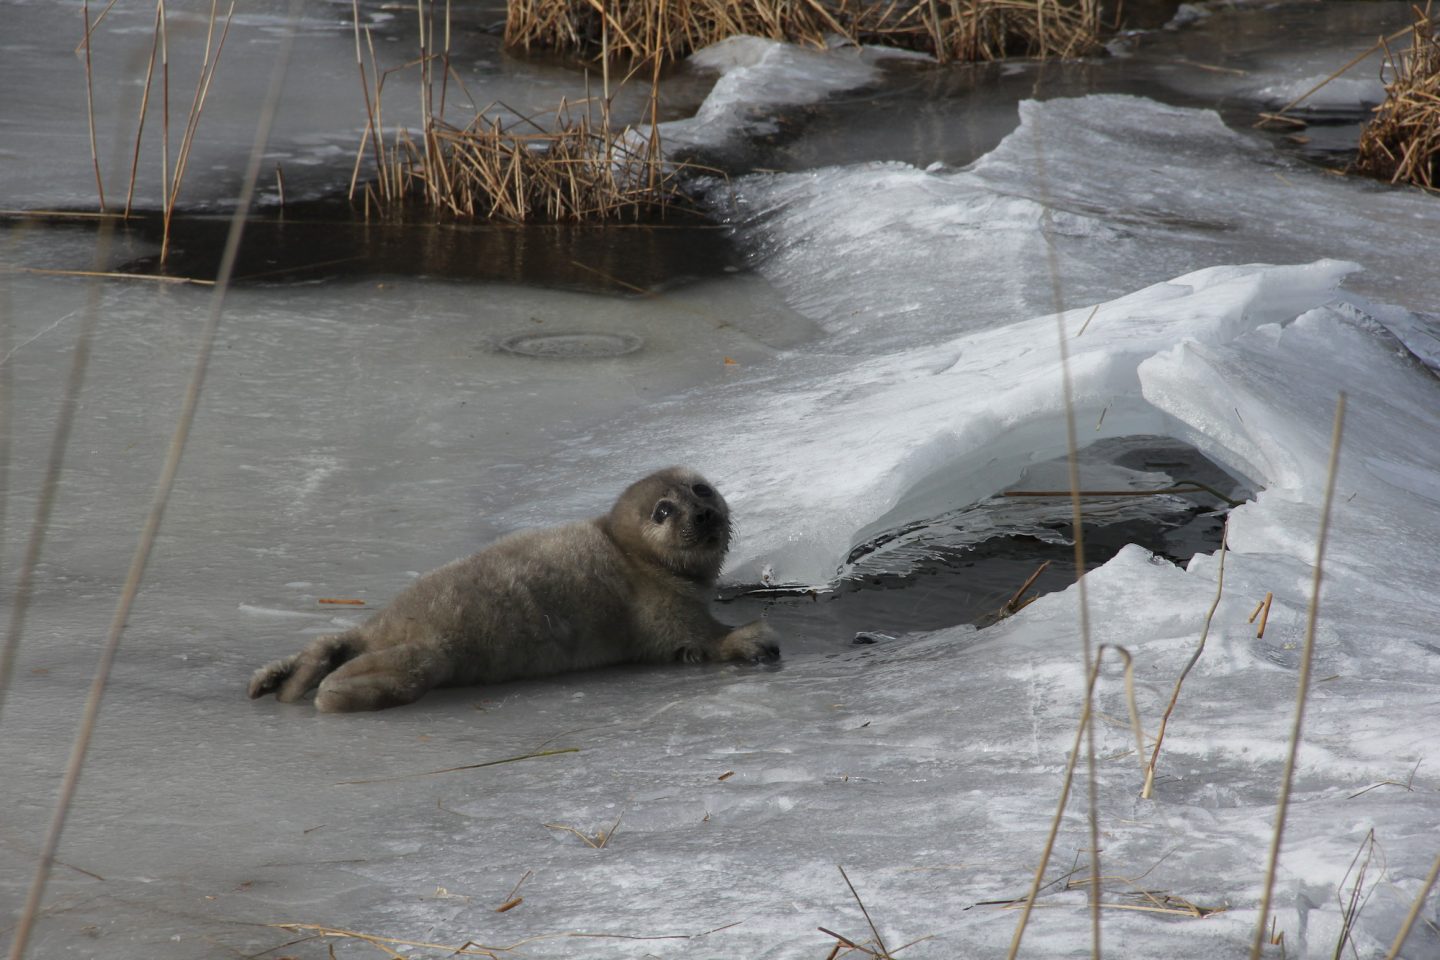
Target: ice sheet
352, 435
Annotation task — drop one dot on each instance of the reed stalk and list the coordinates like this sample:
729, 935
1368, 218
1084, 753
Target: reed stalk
192, 123
1147, 791
90, 106
1287, 778
1083, 733
1414, 912
69, 784
144, 108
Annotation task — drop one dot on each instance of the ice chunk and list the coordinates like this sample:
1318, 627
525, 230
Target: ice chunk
757, 76
912, 433
1340, 94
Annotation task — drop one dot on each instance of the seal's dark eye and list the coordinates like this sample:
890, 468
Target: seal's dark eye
663, 509
703, 490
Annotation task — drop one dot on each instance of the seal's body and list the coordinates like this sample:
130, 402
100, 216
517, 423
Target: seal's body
632, 586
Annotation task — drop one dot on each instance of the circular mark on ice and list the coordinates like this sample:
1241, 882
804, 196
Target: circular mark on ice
572, 346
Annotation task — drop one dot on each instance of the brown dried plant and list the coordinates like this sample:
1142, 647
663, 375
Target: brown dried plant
967, 30
1402, 143
578, 166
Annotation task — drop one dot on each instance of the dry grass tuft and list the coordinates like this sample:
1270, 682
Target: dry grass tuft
1402, 143
966, 30
578, 170
574, 166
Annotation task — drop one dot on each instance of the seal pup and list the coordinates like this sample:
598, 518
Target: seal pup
632, 586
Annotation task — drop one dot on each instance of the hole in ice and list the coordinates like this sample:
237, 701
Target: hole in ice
961, 566
572, 346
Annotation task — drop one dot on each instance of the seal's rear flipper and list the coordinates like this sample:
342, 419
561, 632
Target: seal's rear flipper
269, 677
290, 678
380, 679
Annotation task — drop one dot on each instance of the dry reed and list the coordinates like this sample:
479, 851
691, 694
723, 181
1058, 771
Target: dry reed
1414, 912
467, 766
580, 166
1018, 600
171, 179
598, 841
208, 66
966, 30
1352, 903
1083, 731
1180, 487
470, 948
387, 944
1147, 791
1264, 615
90, 104
1402, 143
514, 900
164, 486
874, 947
576, 171
1302, 689
1280, 116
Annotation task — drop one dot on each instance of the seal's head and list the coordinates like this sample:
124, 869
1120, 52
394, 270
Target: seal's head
676, 519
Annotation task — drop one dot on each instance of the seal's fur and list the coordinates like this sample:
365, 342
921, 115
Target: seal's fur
632, 586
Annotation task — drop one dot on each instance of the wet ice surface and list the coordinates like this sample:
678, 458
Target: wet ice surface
321, 114
894, 360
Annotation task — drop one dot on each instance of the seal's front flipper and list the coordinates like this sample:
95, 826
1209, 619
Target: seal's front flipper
754, 641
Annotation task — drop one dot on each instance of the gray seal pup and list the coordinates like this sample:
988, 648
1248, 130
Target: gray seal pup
633, 586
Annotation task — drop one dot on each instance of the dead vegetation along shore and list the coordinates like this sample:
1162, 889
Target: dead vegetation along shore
964, 30
1402, 143
579, 170
575, 165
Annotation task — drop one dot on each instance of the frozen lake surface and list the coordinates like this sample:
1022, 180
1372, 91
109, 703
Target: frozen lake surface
876, 354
